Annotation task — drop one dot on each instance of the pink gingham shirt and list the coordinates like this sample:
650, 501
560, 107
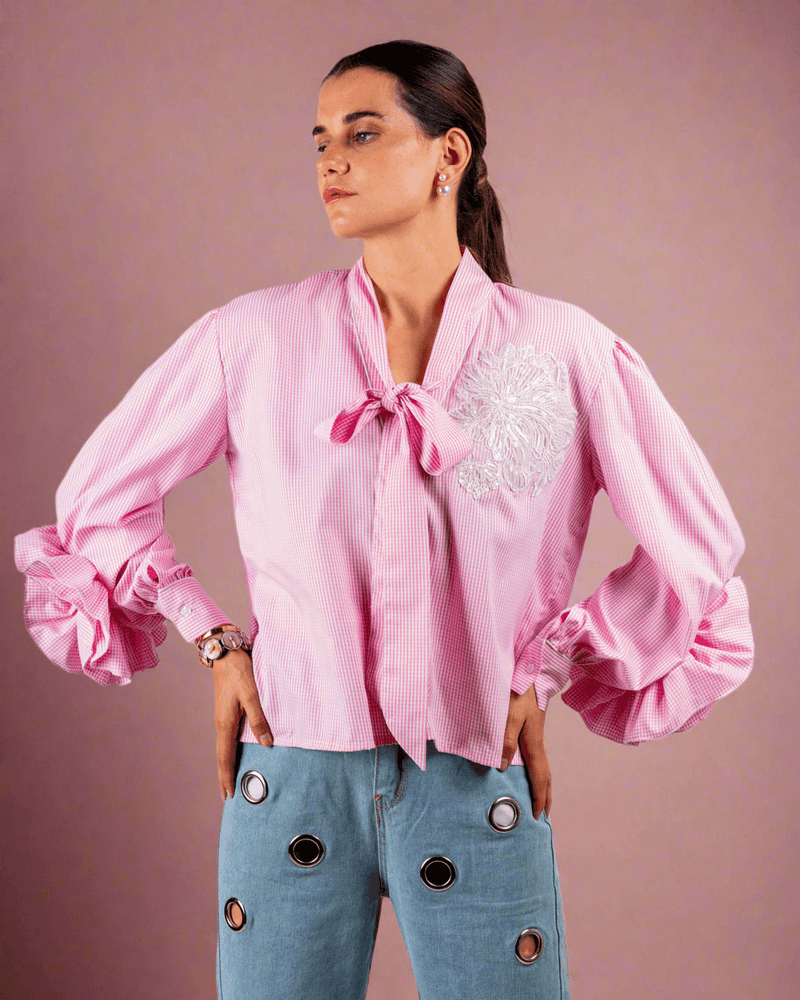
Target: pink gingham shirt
409, 549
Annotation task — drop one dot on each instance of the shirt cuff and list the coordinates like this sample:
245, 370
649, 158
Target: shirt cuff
543, 663
189, 608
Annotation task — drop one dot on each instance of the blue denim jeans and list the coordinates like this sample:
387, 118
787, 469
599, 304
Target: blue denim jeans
314, 839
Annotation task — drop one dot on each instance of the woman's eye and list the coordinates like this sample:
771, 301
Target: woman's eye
321, 149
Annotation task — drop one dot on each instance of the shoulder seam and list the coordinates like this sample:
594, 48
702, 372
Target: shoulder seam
604, 370
215, 314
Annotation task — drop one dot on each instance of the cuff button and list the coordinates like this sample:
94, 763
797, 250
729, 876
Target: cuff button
186, 611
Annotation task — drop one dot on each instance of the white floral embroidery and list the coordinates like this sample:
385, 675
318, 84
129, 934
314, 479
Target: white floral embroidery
515, 405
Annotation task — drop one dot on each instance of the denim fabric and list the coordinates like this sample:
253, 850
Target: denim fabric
309, 931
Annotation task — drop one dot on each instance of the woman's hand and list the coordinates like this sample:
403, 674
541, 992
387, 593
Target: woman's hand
525, 727
235, 690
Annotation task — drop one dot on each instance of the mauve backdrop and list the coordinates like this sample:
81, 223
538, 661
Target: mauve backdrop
157, 163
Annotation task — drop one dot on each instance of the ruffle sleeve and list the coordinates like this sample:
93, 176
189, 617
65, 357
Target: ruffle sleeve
666, 635
100, 583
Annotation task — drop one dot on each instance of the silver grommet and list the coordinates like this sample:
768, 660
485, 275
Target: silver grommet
504, 813
306, 850
529, 945
254, 786
438, 873
235, 917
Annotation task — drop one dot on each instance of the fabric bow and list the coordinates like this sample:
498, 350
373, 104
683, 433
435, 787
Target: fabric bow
437, 441
401, 581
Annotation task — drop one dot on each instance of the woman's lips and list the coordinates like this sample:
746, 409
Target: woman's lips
337, 197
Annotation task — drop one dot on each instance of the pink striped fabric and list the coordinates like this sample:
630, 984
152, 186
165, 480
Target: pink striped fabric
409, 550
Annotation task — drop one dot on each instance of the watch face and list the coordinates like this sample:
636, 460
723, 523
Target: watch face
212, 649
231, 639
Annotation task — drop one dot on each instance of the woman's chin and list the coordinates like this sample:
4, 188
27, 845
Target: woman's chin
346, 232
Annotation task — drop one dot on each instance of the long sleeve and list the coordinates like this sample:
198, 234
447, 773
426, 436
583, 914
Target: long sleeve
666, 635
100, 583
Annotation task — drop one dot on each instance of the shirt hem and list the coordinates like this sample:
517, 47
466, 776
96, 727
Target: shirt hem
442, 747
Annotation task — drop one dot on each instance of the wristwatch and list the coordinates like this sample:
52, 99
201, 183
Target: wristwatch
217, 641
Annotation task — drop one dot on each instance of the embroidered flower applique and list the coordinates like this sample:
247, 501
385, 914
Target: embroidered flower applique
515, 405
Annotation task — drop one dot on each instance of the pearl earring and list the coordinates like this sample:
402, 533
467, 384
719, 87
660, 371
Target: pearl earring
446, 188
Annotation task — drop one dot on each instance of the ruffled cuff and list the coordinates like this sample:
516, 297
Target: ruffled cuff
68, 615
718, 661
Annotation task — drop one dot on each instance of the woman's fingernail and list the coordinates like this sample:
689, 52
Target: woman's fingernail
223, 795
503, 764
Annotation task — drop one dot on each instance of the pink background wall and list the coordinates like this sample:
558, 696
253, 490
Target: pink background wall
158, 162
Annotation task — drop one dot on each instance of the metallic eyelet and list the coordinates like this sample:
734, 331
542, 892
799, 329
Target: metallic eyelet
504, 813
254, 786
235, 917
306, 850
438, 873
529, 945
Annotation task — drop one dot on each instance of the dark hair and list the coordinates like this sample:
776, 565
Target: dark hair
436, 89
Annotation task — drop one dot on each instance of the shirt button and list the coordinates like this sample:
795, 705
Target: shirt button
186, 610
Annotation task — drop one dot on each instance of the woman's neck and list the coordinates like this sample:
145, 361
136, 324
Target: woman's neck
411, 285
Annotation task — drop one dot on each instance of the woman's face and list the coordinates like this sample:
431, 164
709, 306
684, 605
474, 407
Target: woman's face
386, 162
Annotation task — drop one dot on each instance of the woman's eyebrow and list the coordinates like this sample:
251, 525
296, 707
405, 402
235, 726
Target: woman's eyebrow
353, 116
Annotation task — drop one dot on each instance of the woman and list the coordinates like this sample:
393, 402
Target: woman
414, 446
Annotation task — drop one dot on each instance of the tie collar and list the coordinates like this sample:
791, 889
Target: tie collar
468, 294
420, 437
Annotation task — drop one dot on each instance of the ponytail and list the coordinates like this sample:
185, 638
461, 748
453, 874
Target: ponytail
480, 225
